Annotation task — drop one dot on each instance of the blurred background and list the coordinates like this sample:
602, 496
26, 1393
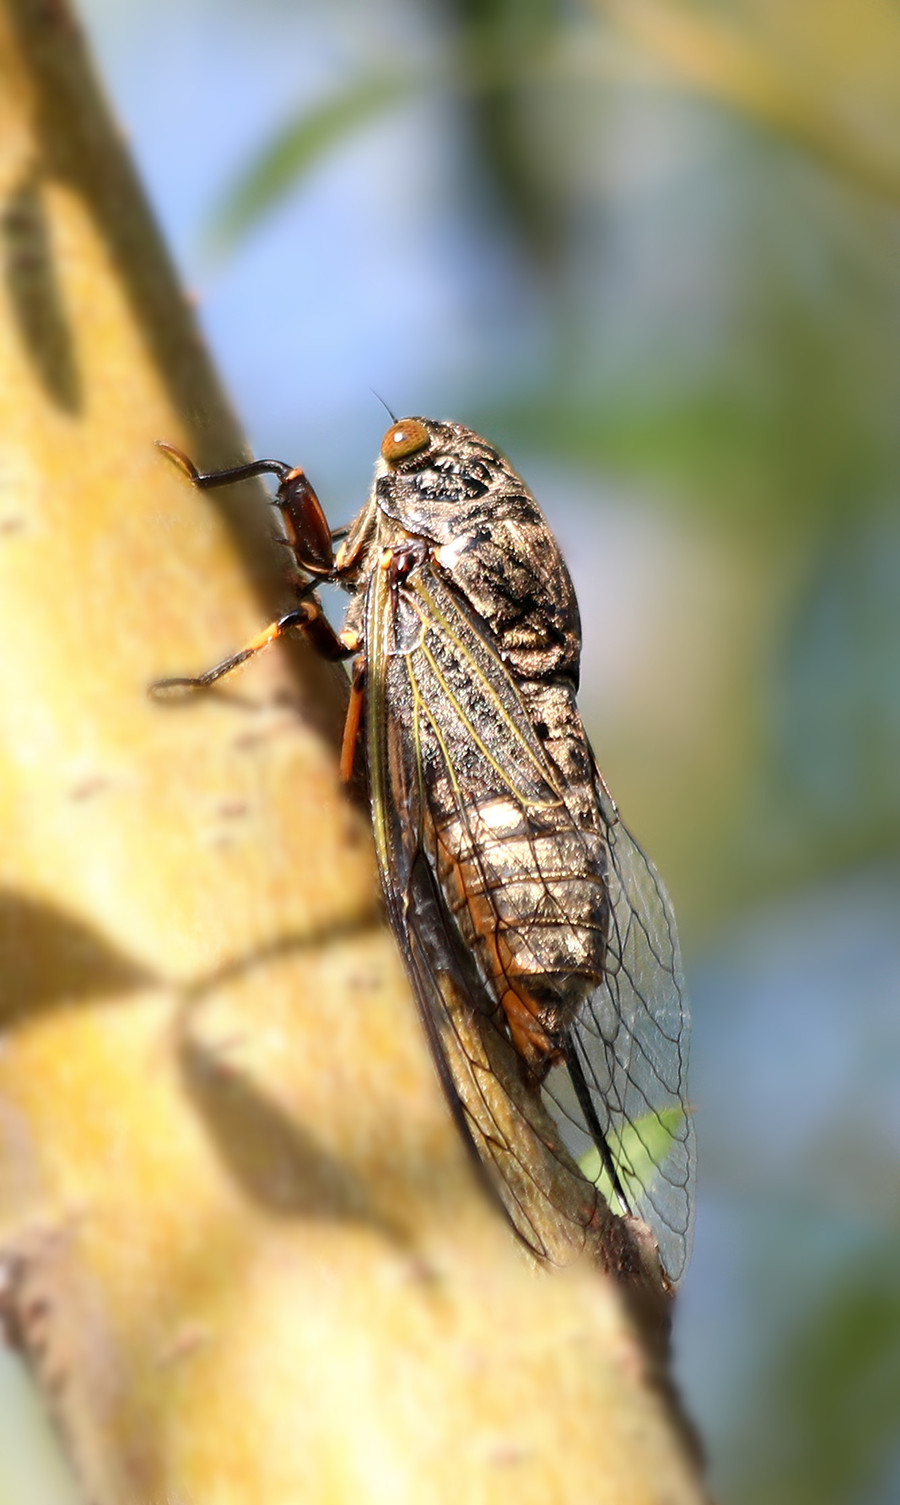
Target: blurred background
651, 248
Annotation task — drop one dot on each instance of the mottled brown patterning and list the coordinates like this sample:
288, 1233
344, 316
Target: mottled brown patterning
538, 937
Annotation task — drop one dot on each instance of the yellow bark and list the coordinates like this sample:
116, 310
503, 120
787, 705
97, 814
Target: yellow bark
240, 1244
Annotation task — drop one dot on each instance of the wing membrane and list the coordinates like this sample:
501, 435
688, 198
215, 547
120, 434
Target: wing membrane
631, 1042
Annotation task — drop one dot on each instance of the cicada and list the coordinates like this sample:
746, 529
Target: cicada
538, 937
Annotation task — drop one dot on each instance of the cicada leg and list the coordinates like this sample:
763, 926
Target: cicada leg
309, 537
311, 543
354, 718
308, 616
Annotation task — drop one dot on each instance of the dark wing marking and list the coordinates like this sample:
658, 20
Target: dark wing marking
442, 707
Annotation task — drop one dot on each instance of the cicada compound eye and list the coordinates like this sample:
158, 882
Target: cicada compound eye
404, 438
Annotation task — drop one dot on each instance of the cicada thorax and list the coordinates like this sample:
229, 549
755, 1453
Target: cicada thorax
491, 538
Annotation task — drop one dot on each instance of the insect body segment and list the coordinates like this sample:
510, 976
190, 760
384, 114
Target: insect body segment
538, 937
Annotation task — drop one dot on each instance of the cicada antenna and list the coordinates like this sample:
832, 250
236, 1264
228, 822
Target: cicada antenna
392, 415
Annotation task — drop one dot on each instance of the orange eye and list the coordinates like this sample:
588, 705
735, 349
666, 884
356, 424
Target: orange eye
405, 438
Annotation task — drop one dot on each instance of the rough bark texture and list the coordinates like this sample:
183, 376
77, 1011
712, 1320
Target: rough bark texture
240, 1245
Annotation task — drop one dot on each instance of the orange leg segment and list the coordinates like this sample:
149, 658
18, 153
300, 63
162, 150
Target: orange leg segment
308, 617
528, 1035
354, 720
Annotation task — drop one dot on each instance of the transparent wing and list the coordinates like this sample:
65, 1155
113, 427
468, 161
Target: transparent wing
629, 1048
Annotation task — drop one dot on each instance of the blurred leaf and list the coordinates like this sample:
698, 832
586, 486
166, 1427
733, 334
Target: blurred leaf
503, 46
829, 790
710, 449
499, 53
639, 1149
299, 145
825, 73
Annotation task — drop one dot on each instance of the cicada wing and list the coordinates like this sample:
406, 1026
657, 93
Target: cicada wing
498, 1108
629, 1052
450, 742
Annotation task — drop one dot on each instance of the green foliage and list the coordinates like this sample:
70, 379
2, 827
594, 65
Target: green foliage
298, 147
499, 50
834, 1397
636, 1153
502, 48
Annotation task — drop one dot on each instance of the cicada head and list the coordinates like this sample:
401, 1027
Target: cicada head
433, 478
